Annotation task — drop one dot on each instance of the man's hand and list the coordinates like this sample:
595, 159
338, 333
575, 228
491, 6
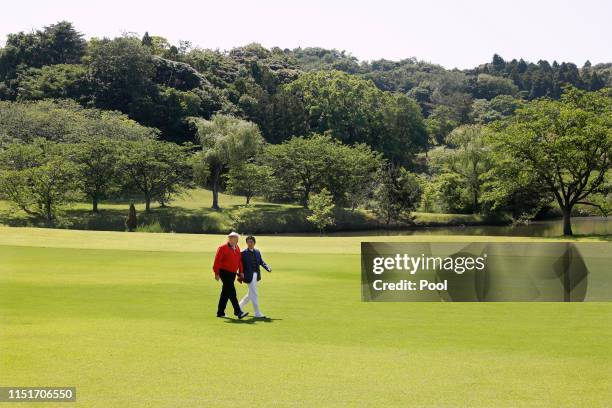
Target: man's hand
216, 277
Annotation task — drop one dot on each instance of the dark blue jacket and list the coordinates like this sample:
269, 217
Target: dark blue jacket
247, 264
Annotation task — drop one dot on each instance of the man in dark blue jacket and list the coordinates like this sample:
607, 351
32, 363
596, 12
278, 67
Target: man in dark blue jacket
251, 261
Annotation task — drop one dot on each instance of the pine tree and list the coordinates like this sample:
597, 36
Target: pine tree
147, 41
499, 65
131, 221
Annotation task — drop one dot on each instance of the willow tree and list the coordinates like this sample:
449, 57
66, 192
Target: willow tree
227, 142
468, 156
566, 143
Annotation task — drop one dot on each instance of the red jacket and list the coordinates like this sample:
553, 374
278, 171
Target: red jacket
228, 259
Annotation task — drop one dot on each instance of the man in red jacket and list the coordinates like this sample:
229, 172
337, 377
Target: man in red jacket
228, 262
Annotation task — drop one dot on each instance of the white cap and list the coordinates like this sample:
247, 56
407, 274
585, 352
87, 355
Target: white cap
233, 234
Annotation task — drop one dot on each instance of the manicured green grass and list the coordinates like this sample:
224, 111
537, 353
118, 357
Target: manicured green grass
129, 320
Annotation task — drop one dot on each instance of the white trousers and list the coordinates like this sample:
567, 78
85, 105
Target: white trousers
252, 296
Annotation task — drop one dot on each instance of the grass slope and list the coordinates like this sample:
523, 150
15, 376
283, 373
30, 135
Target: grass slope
129, 320
190, 212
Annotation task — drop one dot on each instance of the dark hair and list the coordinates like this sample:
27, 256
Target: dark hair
251, 237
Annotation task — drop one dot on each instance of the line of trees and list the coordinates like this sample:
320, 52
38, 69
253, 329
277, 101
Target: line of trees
293, 171
67, 153
43, 176
56, 153
548, 152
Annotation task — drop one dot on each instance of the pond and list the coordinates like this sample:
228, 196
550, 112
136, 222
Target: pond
548, 228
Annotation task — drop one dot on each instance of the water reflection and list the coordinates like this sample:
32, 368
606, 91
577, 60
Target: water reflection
549, 228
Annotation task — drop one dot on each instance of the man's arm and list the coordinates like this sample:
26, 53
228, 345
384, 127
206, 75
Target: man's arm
264, 264
217, 262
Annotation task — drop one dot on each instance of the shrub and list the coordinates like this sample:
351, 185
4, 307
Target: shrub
131, 222
152, 227
322, 207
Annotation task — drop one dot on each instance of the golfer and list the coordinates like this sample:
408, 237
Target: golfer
228, 263
251, 261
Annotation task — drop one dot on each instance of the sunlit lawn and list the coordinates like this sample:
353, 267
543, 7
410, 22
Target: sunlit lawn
129, 320
191, 212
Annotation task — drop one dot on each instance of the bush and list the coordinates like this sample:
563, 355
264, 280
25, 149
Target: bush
445, 194
322, 207
248, 220
153, 227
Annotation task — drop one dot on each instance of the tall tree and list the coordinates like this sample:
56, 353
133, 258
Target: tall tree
39, 178
405, 132
64, 44
398, 193
439, 124
249, 180
300, 166
468, 156
567, 143
305, 165
156, 169
58, 43
121, 70
353, 110
226, 142
98, 158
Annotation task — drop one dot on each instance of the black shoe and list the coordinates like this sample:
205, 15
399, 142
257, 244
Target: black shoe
220, 315
243, 314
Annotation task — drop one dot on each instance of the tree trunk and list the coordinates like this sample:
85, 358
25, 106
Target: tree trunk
248, 200
215, 186
48, 212
147, 203
95, 204
305, 197
567, 221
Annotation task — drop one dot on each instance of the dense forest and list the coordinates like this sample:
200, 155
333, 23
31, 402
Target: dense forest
410, 121
160, 85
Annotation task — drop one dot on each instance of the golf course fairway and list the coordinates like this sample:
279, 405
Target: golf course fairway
129, 320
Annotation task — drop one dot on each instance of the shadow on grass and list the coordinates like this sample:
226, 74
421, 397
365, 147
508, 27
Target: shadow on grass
250, 320
171, 219
257, 218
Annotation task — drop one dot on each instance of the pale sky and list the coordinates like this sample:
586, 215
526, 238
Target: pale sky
457, 33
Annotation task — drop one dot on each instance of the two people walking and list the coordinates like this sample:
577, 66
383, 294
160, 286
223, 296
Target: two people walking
231, 264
